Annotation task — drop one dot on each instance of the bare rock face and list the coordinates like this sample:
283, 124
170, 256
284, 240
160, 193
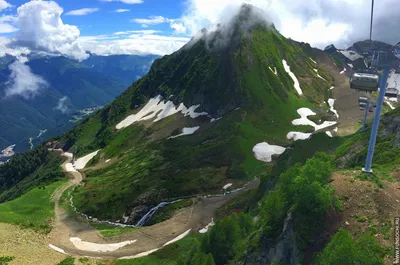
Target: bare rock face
391, 125
280, 251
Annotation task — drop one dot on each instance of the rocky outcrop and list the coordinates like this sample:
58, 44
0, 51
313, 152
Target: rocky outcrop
282, 250
391, 125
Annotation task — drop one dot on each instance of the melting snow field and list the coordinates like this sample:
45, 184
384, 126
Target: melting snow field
214, 120
93, 247
389, 104
227, 186
264, 151
186, 131
205, 229
304, 113
331, 103
298, 136
313, 61
274, 71
159, 109
70, 155
296, 82
57, 249
69, 167
81, 162
177, 238
316, 70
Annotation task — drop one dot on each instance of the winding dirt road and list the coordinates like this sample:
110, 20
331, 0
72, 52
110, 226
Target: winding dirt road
147, 238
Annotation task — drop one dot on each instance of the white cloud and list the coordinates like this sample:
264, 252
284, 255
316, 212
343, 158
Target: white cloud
122, 10
4, 5
62, 105
7, 24
41, 28
179, 28
125, 1
319, 22
23, 82
82, 11
145, 32
140, 43
153, 20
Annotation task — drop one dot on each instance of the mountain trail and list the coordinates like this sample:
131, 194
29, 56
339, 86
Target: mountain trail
147, 238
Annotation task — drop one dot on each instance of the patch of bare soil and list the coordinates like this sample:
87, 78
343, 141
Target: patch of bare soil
346, 99
28, 247
368, 207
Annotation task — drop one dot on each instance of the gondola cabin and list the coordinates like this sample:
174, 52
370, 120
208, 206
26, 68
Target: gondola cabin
362, 99
391, 93
364, 82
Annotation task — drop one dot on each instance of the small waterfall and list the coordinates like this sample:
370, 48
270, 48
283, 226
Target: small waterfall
151, 213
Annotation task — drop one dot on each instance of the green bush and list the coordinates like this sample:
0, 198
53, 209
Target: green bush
344, 250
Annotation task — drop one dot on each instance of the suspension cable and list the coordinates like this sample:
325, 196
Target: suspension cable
370, 28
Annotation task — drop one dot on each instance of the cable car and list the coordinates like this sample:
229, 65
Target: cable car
362, 99
391, 93
362, 105
368, 82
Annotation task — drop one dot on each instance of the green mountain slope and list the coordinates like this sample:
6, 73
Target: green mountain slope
231, 81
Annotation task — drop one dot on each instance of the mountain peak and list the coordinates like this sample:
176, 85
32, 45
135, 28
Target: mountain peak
233, 28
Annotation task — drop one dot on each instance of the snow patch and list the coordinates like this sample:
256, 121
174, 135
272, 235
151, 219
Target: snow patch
304, 113
313, 61
329, 133
217, 119
177, 238
94, 247
205, 229
298, 136
296, 82
57, 249
316, 70
159, 109
81, 162
143, 254
274, 71
69, 167
389, 104
331, 103
186, 131
70, 155
264, 151
351, 55
227, 186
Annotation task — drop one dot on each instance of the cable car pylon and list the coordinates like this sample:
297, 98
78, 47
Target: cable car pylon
375, 126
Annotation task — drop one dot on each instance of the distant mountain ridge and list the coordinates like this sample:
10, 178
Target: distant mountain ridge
72, 86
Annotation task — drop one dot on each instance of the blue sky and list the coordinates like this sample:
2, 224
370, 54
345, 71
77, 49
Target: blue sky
163, 26
107, 21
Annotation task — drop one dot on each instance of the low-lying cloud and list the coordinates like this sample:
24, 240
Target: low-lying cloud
318, 22
62, 105
22, 82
